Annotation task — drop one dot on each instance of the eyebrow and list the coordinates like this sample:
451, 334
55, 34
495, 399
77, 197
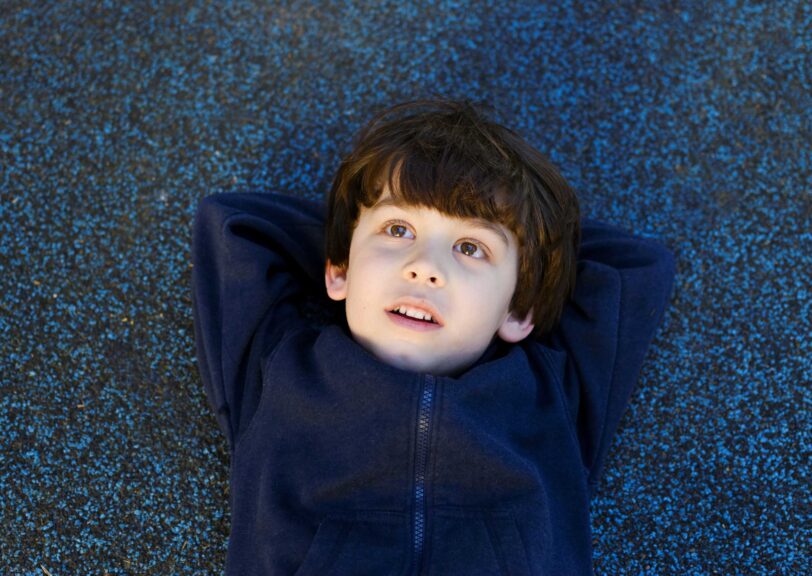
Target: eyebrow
477, 222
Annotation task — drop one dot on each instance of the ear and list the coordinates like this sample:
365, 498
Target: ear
335, 280
515, 329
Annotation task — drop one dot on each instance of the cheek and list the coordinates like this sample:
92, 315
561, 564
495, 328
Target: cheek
366, 274
374, 262
496, 291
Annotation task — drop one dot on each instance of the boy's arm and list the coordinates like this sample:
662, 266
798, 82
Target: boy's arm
253, 255
622, 289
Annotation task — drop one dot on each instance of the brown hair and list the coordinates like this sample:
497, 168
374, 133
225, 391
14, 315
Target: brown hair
448, 156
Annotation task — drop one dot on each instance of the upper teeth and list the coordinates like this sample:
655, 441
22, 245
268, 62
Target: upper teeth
420, 315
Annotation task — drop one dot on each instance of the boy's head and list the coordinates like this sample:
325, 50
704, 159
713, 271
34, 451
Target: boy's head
440, 211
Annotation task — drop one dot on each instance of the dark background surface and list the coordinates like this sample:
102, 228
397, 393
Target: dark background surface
675, 120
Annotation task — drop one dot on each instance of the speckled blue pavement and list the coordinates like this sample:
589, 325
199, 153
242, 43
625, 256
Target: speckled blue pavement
686, 121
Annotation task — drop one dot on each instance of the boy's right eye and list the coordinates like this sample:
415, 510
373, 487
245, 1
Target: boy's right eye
398, 230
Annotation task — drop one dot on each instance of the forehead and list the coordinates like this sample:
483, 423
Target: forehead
386, 200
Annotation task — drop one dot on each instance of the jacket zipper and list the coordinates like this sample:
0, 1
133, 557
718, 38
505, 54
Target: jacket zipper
423, 421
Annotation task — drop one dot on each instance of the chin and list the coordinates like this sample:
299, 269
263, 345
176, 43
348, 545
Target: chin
411, 361
408, 362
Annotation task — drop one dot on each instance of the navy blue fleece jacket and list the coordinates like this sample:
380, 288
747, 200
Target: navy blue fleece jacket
343, 465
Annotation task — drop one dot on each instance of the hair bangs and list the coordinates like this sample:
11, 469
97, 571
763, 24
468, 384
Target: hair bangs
452, 185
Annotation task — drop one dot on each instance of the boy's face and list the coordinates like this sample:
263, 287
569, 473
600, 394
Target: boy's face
415, 260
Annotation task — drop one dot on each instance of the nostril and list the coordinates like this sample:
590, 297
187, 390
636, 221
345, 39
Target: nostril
414, 275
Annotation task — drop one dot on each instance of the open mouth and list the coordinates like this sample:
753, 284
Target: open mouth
413, 314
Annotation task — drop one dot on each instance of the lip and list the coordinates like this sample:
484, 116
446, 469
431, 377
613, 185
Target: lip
421, 305
411, 323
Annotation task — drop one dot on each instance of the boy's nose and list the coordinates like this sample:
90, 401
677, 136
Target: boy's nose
423, 270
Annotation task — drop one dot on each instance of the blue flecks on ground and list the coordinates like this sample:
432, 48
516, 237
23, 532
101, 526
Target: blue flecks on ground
688, 122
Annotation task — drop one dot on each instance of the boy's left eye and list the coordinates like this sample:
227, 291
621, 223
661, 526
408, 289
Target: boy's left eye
471, 249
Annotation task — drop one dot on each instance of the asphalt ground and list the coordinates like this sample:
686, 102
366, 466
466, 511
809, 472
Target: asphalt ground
685, 121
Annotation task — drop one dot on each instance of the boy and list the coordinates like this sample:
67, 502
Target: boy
454, 417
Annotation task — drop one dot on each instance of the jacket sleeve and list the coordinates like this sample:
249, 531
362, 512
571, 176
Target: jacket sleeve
622, 289
253, 257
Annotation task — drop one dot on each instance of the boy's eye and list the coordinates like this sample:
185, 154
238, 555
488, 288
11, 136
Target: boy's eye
471, 249
398, 231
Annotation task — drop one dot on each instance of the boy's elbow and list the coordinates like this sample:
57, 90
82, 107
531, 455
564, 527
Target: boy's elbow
210, 209
664, 266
